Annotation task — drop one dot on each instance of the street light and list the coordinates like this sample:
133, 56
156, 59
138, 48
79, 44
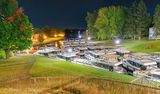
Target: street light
70, 50
89, 38
79, 36
117, 41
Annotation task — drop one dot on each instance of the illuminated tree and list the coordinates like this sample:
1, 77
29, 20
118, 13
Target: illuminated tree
15, 28
110, 22
91, 19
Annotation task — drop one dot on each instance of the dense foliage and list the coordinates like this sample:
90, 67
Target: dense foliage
156, 19
2, 54
115, 21
91, 19
15, 28
137, 21
110, 22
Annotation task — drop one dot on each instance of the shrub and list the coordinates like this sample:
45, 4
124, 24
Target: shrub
2, 54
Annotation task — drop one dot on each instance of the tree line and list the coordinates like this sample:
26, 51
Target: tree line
126, 22
49, 31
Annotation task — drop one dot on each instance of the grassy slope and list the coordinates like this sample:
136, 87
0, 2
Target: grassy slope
12, 67
51, 67
140, 45
143, 46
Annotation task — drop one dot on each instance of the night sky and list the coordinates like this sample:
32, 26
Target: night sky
69, 13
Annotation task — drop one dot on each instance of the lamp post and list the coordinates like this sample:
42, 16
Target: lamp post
70, 50
117, 42
89, 39
79, 37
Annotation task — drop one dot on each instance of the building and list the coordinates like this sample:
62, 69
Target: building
66, 56
110, 65
122, 52
111, 61
131, 65
94, 54
72, 34
152, 33
158, 64
82, 61
48, 51
82, 51
154, 75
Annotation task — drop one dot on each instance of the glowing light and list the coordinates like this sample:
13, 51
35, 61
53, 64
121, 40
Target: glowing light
61, 42
56, 44
79, 36
117, 41
70, 50
35, 38
61, 35
45, 37
55, 35
89, 38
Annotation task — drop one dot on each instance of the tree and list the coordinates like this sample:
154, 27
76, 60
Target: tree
142, 20
15, 28
129, 27
110, 22
91, 19
138, 20
156, 19
50, 31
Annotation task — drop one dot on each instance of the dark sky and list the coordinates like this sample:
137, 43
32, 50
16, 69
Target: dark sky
69, 13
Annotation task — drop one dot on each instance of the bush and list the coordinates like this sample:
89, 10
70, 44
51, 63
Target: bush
2, 54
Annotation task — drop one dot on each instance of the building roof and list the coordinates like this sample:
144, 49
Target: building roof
155, 71
82, 48
49, 50
145, 62
123, 51
98, 53
68, 55
110, 59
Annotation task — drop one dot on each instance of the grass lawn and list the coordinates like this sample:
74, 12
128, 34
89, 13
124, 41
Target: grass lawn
139, 45
12, 67
60, 71
143, 45
52, 67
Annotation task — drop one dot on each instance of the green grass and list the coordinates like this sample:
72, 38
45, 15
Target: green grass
142, 45
156, 84
139, 45
45, 67
12, 67
2, 54
55, 68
